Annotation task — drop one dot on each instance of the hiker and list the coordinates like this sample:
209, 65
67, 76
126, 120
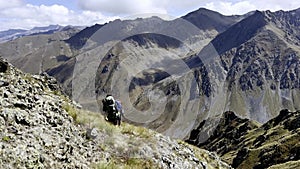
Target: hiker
110, 108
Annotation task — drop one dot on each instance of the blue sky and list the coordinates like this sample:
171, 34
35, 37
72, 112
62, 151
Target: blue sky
26, 14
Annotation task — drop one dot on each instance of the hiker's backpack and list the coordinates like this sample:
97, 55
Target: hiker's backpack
119, 106
108, 104
110, 107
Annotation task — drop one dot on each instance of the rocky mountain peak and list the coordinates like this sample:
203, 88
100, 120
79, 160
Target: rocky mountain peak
229, 129
79, 40
239, 33
206, 19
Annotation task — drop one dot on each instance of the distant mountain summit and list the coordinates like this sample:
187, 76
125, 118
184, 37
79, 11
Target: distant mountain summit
17, 33
206, 19
5, 34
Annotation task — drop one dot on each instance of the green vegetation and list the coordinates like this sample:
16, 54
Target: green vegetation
287, 165
126, 147
91, 119
127, 163
136, 131
71, 111
251, 160
6, 138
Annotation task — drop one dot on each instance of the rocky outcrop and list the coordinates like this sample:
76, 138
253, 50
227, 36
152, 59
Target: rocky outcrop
36, 131
243, 144
41, 128
3, 66
229, 131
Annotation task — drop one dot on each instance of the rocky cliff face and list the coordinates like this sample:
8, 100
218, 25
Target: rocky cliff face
41, 128
260, 62
36, 131
245, 144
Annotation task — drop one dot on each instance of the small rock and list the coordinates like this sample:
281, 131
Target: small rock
3, 66
92, 133
20, 105
3, 83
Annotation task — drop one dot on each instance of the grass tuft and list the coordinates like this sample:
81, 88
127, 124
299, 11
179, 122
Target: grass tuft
6, 138
71, 111
130, 163
136, 131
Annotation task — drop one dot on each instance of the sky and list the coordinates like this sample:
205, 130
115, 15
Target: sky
26, 14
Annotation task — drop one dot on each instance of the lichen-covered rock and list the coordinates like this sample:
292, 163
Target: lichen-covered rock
35, 130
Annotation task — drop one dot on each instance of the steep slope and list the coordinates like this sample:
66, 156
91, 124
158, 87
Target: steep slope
78, 40
239, 33
230, 128
243, 144
41, 128
265, 68
256, 65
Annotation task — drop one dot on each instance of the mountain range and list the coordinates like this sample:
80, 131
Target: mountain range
12, 34
178, 77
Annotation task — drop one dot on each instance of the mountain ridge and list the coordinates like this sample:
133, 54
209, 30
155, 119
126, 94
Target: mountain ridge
207, 19
255, 146
12, 34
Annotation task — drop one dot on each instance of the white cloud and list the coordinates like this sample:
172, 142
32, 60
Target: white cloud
228, 8
9, 4
244, 6
28, 16
179, 7
124, 7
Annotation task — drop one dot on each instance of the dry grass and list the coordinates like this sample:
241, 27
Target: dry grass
136, 131
96, 120
287, 165
130, 163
